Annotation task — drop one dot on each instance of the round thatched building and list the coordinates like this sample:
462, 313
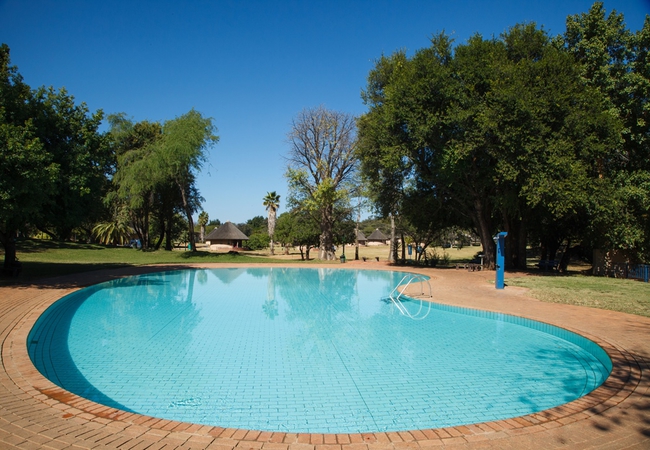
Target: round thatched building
226, 236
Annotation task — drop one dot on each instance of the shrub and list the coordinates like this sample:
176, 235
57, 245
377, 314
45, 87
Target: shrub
258, 241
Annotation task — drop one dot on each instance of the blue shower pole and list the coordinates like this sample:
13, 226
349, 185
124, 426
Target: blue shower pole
499, 239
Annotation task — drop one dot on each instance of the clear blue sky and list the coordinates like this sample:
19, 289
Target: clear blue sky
250, 65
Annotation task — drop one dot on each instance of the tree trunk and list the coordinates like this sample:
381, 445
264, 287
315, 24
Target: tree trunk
141, 226
392, 255
356, 237
563, 265
482, 222
515, 257
326, 251
8, 241
190, 221
522, 245
161, 228
356, 243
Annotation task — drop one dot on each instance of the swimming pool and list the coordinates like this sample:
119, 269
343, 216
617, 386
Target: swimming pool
303, 350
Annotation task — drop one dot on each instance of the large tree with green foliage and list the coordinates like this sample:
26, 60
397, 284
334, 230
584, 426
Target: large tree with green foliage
180, 155
53, 161
614, 61
137, 179
497, 131
69, 133
156, 170
322, 163
26, 171
298, 228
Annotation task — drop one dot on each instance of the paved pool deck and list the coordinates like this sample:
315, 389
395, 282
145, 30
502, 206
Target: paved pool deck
36, 414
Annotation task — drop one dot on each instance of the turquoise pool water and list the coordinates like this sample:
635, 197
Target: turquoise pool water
304, 350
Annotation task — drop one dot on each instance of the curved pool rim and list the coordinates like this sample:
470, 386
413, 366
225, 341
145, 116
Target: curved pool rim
576, 337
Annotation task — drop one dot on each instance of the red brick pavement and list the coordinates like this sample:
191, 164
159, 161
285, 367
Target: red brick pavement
36, 414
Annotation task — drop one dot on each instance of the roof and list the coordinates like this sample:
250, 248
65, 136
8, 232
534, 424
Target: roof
377, 236
361, 236
227, 231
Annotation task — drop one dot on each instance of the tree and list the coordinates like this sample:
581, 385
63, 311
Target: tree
69, 133
180, 154
422, 131
298, 228
497, 131
321, 165
272, 203
549, 134
157, 167
614, 61
203, 221
137, 177
252, 226
53, 162
258, 241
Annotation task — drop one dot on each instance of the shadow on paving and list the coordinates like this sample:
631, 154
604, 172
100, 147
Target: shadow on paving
638, 414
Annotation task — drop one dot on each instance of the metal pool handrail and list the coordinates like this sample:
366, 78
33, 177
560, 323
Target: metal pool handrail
398, 303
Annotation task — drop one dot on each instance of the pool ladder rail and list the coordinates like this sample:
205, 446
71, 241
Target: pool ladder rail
404, 283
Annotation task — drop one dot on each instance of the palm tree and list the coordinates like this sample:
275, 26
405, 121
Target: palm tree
112, 232
272, 203
203, 221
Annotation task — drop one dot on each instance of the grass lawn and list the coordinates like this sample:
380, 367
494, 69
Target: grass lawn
629, 296
42, 258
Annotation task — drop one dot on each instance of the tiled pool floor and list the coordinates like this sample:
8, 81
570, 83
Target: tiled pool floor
34, 413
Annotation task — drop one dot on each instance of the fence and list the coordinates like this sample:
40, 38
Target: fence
637, 271
640, 271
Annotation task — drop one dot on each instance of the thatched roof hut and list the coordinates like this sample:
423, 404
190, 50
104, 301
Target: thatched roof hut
377, 237
361, 238
227, 235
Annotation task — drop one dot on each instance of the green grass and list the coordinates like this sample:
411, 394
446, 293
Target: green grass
42, 258
629, 296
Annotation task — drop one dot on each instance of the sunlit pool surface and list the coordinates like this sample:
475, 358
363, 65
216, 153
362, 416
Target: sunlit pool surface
304, 350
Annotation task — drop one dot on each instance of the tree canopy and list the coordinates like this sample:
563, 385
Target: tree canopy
156, 170
53, 161
507, 133
322, 163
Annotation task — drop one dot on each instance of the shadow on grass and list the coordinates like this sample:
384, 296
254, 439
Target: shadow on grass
39, 245
233, 257
35, 272
71, 275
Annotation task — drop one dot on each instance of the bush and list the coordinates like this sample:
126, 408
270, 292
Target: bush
258, 241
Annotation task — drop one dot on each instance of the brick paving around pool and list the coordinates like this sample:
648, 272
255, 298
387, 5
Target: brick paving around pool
36, 414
